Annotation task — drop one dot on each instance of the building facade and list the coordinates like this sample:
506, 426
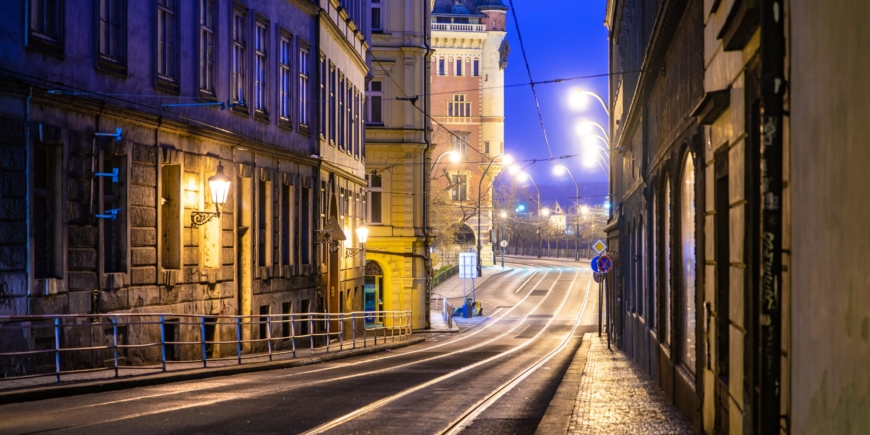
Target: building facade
398, 143
470, 55
655, 229
115, 115
727, 232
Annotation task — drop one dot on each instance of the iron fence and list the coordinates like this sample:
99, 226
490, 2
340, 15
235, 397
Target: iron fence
55, 345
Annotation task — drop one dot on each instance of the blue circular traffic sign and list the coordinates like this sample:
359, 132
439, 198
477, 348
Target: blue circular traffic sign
604, 264
593, 263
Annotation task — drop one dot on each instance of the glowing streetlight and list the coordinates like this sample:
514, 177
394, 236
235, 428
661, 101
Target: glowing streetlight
454, 157
584, 127
578, 99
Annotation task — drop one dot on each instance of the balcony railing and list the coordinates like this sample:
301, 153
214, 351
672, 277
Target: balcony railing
458, 27
34, 346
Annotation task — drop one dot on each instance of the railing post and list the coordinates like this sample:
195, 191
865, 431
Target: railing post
340, 331
293, 334
328, 319
57, 348
311, 332
163, 342
365, 333
353, 329
115, 341
269, 335
239, 338
202, 340
393, 329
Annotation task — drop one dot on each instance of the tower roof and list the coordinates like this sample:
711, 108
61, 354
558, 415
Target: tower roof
487, 5
456, 8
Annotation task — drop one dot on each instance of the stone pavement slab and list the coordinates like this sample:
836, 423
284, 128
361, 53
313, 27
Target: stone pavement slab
613, 397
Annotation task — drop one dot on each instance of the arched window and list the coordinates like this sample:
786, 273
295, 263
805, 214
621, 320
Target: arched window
666, 253
687, 245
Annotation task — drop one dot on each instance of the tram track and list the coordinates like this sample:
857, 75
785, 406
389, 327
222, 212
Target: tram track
256, 392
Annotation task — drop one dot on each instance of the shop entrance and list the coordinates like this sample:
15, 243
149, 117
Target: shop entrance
373, 298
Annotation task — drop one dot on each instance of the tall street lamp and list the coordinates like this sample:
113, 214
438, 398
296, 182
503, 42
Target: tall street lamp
454, 158
521, 176
559, 170
597, 97
507, 161
589, 122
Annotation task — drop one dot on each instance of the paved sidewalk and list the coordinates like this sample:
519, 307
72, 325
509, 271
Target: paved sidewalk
612, 396
452, 291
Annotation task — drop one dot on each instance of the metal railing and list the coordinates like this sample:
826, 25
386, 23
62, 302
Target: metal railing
443, 276
55, 345
447, 313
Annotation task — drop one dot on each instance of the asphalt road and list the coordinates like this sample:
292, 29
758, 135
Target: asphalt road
495, 376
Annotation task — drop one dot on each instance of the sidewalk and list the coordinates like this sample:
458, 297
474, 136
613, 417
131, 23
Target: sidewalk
452, 291
603, 392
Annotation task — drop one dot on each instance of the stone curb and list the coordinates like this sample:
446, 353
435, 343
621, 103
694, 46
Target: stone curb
561, 407
88, 387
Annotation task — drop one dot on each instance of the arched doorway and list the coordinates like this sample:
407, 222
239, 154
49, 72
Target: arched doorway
465, 236
373, 294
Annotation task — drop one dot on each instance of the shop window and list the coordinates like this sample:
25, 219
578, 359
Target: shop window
114, 203
687, 245
170, 216
46, 197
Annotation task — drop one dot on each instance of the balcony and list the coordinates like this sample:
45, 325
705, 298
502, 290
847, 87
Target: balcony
458, 27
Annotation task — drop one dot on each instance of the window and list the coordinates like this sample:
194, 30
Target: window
265, 310
476, 66
350, 120
375, 199
238, 58
666, 253
459, 108
375, 97
376, 16
284, 78
112, 36
687, 241
459, 144
341, 112
303, 85
206, 47
332, 114
486, 147
46, 194
264, 227
167, 41
322, 102
286, 224
46, 25
286, 309
357, 133
458, 67
261, 35
170, 216
441, 66
114, 203
305, 226
459, 187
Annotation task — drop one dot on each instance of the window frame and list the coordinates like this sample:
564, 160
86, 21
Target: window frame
304, 85
476, 67
372, 192
107, 62
260, 66
459, 65
459, 143
238, 64
459, 186
43, 41
207, 33
441, 67
459, 107
166, 77
375, 97
285, 79
377, 6
323, 103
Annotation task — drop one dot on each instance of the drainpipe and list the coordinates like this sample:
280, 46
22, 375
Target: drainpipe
426, 182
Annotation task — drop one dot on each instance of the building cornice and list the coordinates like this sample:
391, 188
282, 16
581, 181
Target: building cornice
349, 49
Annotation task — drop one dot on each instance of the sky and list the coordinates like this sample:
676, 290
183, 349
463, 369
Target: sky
563, 39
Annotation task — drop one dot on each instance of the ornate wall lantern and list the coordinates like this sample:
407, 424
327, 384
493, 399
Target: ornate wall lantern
219, 185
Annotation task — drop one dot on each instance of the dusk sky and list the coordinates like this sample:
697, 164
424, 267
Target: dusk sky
574, 44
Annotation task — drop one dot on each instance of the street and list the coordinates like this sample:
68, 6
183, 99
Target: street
497, 375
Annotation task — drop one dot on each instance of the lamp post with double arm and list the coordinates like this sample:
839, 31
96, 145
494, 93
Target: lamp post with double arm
559, 170
507, 161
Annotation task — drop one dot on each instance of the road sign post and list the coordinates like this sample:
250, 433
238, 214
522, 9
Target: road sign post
467, 270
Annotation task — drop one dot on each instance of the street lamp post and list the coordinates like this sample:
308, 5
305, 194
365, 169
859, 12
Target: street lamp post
597, 97
454, 158
520, 176
507, 159
559, 170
